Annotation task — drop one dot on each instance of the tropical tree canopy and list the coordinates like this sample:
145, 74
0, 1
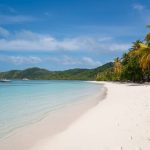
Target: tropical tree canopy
134, 65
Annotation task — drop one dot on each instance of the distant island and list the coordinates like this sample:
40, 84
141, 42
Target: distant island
44, 74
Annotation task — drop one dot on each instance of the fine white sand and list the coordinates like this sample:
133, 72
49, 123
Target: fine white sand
120, 122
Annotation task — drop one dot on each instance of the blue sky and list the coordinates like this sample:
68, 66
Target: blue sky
64, 34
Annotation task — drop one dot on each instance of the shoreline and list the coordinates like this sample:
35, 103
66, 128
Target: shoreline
53, 124
120, 122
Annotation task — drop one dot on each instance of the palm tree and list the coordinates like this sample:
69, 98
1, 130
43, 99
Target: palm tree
136, 45
147, 39
137, 52
131, 67
144, 53
145, 61
117, 68
145, 58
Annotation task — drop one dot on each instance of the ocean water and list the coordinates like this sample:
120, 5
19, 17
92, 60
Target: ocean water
25, 102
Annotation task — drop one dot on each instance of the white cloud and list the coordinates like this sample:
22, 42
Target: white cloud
18, 60
118, 47
4, 32
62, 60
138, 7
9, 15
91, 62
29, 41
7, 9
142, 12
7, 19
67, 60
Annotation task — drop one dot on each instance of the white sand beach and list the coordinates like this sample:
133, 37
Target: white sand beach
120, 122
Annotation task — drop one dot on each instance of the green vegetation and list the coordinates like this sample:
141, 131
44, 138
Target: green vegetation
43, 74
133, 66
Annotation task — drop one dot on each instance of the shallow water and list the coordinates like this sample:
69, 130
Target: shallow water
25, 102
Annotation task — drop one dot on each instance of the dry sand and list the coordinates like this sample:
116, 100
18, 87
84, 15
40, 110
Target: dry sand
120, 122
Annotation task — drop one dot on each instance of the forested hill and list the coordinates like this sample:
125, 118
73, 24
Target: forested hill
43, 74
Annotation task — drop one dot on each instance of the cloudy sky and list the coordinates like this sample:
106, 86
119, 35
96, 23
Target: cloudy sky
64, 34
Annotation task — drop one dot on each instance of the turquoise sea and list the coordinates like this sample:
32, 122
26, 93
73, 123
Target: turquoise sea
25, 102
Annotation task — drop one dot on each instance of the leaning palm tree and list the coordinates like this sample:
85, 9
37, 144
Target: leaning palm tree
137, 50
136, 45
